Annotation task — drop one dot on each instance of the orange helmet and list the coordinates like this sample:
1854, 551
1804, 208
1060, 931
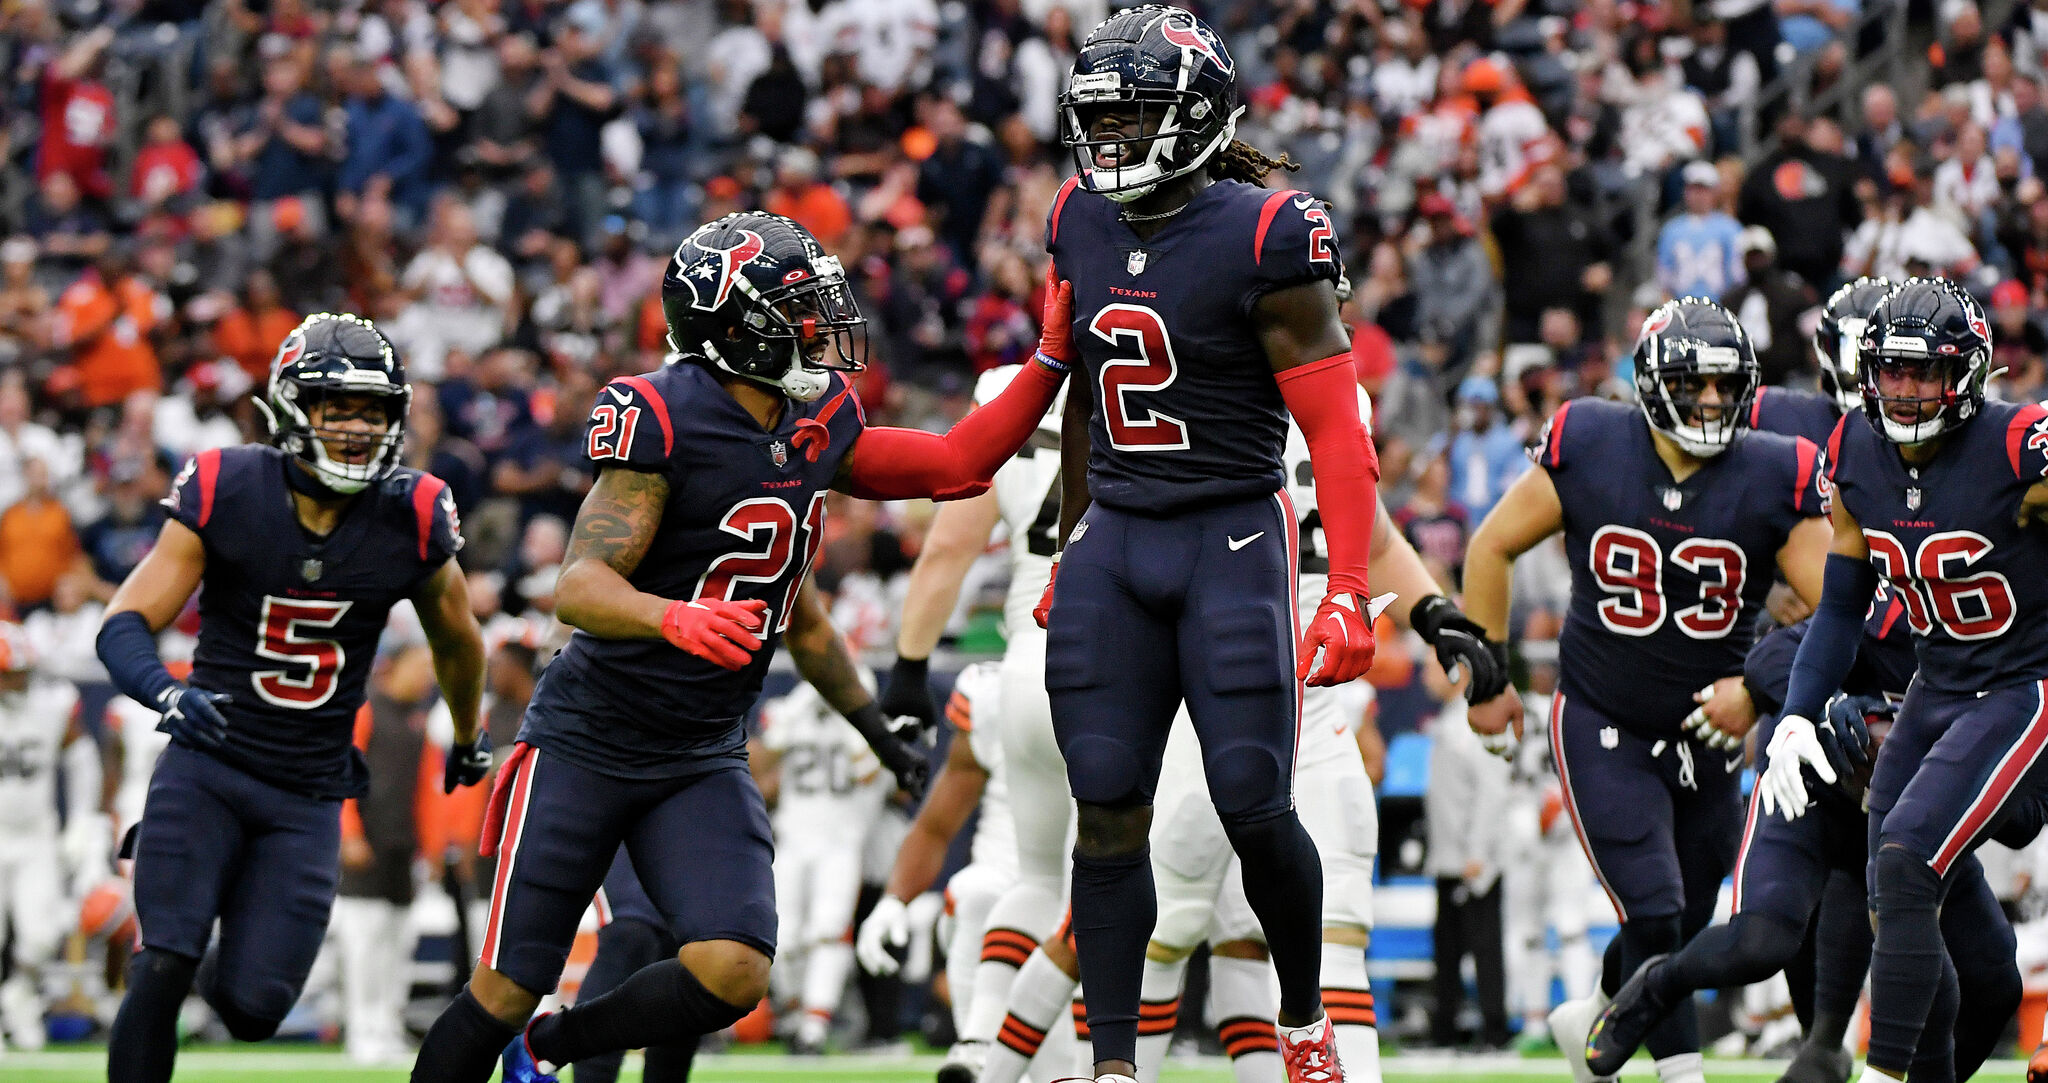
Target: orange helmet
1484, 76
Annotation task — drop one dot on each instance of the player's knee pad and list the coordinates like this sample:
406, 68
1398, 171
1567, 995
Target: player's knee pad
1247, 782
1904, 880
156, 968
1644, 937
1103, 771
1763, 943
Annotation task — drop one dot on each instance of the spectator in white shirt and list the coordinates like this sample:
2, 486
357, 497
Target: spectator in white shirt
1966, 186
459, 290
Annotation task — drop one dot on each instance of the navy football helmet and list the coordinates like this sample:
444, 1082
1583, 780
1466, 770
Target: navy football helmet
1926, 328
1166, 68
1685, 346
755, 295
1840, 335
333, 354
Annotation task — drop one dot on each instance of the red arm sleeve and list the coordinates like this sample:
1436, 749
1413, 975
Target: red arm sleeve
1323, 397
902, 464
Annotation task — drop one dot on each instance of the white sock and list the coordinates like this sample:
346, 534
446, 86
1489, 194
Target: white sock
1347, 997
1872, 1075
1243, 1000
1158, 1011
1682, 1068
1003, 951
825, 973
1038, 998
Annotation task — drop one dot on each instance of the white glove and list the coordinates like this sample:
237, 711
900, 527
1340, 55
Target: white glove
1793, 746
1501, 744
887, 929
1701, 727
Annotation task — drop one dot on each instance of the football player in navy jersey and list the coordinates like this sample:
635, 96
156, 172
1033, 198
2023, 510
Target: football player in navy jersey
1673, 516
1809, 414
684, 563
298, 552
1788, 867
1940, 493
1205, 309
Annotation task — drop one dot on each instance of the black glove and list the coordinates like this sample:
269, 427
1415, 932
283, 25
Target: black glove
468, 763
1459, 641
907, 701
903, 759
1845, 732
192, 715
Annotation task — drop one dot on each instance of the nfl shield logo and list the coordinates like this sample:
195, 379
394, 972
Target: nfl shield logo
778, 452
1136, 264
1912, 499
310, 569
1672, 499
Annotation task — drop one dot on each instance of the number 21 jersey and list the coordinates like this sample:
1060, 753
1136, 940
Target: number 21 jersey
1667, 577
745, 515
1186, 411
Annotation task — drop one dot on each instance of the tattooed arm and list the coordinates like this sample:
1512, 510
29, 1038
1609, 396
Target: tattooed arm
821, 656
613, 529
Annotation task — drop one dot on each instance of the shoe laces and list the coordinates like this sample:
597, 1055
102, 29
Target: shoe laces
1312, 1061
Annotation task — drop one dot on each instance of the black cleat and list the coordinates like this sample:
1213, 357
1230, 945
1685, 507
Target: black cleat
1817, 1064
1621, 1028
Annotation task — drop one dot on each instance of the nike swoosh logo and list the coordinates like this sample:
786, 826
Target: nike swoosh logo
1304, 203
618, 393
1731, 766
1239, 543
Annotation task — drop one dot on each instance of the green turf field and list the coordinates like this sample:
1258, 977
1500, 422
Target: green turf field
84, 1065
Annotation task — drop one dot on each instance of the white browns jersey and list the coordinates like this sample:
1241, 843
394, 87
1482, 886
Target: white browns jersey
32, 727
1513, 140
134, 726
975, 709
1028, 494
1329, 715
832, 786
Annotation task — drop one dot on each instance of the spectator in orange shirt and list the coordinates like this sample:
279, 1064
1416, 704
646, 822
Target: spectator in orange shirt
37, 542
799, 194
105, 318
251, 331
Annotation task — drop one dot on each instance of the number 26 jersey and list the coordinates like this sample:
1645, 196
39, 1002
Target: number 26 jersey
1667, 577
1186, 411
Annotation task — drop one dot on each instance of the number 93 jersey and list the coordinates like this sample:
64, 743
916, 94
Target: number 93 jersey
744, 516
1667, 578
288, 622
1186, 411
1946, 535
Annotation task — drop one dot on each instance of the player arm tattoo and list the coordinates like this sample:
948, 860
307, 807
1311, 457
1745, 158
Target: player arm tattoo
820, 654
613, 530
458, 645
1074, 447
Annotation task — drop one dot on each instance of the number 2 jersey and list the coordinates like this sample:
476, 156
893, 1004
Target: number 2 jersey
1667, 578
745, 515
1946, 535
1186, 414
289, 621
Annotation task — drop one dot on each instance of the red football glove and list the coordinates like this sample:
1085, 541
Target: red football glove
718, 631
1056, 334
1042, 612
1344, 632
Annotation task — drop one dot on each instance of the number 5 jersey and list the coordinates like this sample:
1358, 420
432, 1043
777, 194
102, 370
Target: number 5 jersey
1667, 577
289, 621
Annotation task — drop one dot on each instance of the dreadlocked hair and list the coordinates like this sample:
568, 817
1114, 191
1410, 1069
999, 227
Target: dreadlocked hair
1240, 161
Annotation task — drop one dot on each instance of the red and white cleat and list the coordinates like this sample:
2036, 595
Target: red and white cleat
1310, 1053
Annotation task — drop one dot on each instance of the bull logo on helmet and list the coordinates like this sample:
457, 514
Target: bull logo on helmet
1183, 30
717, 269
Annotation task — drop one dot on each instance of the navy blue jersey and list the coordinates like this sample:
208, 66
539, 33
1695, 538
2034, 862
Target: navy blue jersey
289, 622
1667, 578
1946, 536
745, 515
1790, 411
1186, 411
1885, 658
